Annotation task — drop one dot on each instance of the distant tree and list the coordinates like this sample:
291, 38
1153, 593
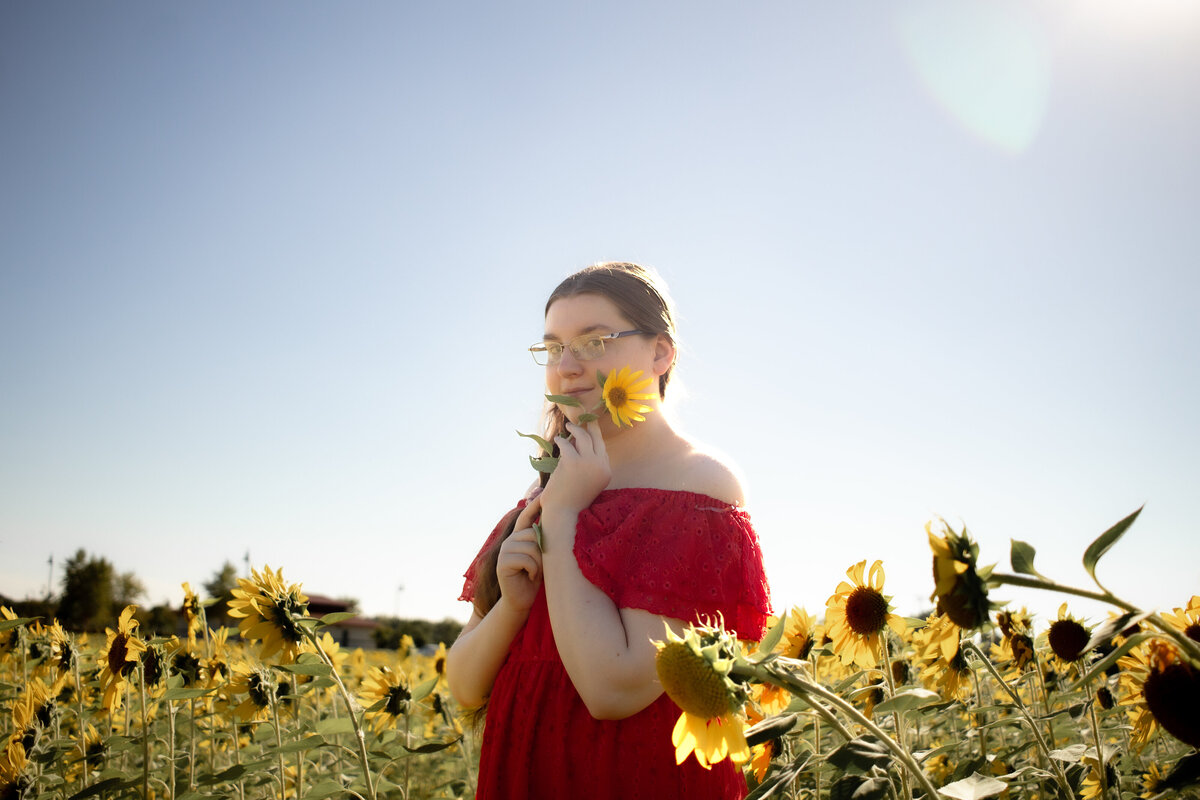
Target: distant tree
87, 598
221, 587
127, 590
392, 629
159, 621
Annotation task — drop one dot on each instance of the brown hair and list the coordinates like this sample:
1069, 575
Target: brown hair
640, 295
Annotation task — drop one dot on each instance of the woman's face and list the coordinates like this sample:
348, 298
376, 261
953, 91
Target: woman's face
570, 317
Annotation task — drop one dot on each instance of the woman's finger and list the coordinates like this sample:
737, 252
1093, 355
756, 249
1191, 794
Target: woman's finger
529, 514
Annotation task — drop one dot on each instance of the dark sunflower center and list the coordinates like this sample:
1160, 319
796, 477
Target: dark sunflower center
397, 700
117, 653
260, 690
866, 611
617, 396
1193, 631
1067, 639
1172, 694
283, 614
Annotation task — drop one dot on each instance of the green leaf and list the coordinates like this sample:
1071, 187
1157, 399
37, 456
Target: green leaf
424, 690
432, 747
1101, 666
585, 418
101, 787
1105, 632
773, 636
547, 448
858, 756
1021, 554
186, 694
770, 728
544, 464
326, 788
907, 701
335, 725
537, 536
307, 743
310, 668
335, 618
564, 400
975, 787
779, 782
1104, 542
857, 787
9, 624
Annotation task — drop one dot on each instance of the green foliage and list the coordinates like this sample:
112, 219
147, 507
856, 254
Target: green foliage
391, 631
87, 602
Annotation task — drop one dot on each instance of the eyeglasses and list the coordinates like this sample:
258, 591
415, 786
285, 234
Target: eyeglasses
587, 347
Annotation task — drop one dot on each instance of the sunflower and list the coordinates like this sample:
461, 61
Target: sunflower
1172, 693
271, 611
1186, 620
14, 782
192, 611
1152, 780
621, 392
8, 636
1067, 637
260, 689
386, 697
960, 587
798, 635
856, 615
122, 651
694, 672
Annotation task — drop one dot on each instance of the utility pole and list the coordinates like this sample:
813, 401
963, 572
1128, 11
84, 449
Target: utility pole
50, 577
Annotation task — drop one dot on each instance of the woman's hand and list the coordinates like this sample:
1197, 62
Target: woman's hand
519, 566
582, 473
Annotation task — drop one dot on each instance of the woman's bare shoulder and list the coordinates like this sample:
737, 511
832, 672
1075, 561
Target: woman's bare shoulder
708, 473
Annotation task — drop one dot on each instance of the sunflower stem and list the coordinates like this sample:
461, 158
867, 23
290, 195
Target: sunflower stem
1096, 736
1064, 786
897, 722
355, 719
278, 742
141, 673
798, 685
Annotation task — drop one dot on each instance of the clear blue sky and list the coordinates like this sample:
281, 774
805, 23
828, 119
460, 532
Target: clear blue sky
268, 270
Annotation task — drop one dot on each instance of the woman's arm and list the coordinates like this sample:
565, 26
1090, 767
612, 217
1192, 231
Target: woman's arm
608, 652
479, 651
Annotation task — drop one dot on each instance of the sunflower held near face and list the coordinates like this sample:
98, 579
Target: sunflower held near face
857, 614
270, 610
622, 392
694, 672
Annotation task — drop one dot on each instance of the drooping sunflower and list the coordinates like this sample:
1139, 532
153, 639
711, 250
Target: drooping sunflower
270, 610
857, 614
386, 697
119, 658
9, 635
622, 392
694, 672
1017, 628
960, 586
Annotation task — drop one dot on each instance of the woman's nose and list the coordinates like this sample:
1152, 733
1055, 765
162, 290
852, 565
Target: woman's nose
569, 364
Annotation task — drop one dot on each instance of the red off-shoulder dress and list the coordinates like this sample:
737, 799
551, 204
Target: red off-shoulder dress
674, 553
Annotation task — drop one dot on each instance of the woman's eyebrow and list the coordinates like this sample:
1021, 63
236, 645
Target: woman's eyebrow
550, 337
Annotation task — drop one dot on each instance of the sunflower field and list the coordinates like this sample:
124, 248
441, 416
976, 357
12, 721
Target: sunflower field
973, 701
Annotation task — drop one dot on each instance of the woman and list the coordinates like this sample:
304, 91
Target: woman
640, 529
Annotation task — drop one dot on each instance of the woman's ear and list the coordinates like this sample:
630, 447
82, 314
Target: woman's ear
664, 355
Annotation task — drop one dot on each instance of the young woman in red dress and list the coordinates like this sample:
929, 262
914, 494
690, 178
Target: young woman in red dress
640, 528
